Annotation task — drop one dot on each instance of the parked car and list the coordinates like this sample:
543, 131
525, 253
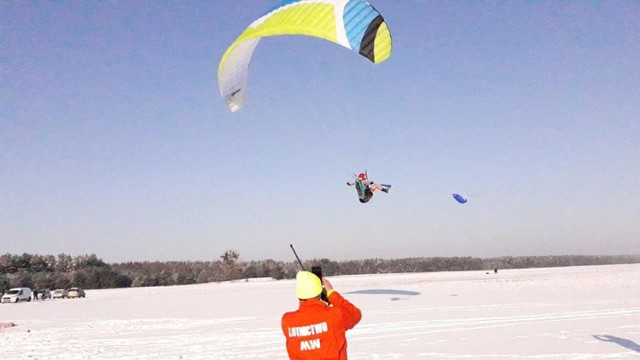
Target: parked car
17, 294
75, 292
60, 294
43, 294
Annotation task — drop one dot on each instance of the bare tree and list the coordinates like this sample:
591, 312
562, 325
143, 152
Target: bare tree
229, 264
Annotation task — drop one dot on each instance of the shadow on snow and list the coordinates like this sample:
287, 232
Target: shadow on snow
626, 343
385, 292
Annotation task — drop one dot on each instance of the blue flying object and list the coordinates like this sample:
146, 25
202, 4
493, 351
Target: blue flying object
459, 198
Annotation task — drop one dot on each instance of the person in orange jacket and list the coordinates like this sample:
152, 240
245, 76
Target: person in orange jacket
317, 330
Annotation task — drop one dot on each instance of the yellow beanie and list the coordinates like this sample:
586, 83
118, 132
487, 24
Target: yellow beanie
308, 285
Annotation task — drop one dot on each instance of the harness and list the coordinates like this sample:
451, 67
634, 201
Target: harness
364, 193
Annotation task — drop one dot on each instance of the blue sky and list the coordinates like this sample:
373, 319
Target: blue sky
114, 139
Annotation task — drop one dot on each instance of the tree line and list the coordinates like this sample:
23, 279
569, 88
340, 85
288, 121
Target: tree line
90, 272
58, 272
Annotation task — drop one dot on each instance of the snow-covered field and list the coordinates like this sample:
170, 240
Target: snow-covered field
555, 313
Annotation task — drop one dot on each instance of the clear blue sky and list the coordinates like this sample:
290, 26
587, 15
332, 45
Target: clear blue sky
114, 139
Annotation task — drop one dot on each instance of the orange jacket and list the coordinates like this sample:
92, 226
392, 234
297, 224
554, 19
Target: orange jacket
317, 330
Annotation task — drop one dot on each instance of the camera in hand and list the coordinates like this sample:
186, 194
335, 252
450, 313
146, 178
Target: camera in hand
317, 271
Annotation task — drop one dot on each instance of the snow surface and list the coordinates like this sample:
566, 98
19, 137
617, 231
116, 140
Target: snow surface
590, 312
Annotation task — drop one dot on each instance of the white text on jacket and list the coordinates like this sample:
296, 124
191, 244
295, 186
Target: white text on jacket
308, 330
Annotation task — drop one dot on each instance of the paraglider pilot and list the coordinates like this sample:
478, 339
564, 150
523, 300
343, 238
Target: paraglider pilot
366, 187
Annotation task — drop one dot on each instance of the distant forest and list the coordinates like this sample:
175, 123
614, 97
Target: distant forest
90, 272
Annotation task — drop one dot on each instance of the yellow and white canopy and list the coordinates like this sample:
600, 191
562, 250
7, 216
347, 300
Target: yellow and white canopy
354, 24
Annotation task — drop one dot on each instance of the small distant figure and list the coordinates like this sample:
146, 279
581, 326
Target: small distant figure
35, 295
495, 271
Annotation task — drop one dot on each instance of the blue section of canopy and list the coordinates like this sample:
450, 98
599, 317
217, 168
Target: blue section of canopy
357, 17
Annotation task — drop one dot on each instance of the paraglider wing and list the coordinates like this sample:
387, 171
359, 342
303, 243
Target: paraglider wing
354, 24
459, 198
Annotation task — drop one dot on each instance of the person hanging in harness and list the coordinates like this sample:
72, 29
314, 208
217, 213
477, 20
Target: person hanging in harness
366, 187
